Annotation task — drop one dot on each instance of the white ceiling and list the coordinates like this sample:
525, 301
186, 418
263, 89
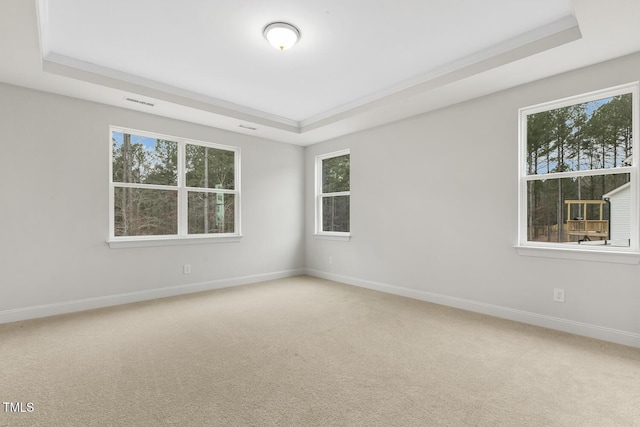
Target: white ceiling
359, 63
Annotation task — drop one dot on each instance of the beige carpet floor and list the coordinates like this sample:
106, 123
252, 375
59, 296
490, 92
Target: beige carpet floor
308, 352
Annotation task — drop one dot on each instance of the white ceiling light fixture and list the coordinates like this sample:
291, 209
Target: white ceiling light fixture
281, 35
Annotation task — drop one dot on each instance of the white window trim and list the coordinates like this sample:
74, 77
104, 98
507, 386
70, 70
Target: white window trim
155, 241
600, 253
182, 237
319, 233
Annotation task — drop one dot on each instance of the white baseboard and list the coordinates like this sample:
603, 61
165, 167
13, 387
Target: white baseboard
578, 328
26, 313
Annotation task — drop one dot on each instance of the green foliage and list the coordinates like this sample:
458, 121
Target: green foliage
579, 137
588, 136
211, 213
134, 163
335, 179
335, 174
335, 213
209, 167
145, 211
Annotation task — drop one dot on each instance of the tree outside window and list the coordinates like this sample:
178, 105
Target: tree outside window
578, 171
171, 187
333, 193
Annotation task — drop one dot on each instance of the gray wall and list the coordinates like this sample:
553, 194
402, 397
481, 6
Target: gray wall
452, 172
434, 216
54, 211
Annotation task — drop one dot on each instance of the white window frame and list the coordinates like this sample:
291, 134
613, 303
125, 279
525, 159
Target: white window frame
319, 195
182, 237
626, 255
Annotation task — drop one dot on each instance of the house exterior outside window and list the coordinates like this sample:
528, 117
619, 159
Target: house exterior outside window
578, 173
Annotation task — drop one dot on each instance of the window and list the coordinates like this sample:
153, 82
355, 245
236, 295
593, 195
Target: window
578, 173
164, 187
333, 193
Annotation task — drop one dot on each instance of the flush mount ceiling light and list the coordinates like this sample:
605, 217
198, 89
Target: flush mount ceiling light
281, 35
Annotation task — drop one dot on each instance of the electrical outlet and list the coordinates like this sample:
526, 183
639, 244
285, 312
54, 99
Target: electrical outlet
186, 269
558, 295
330, 260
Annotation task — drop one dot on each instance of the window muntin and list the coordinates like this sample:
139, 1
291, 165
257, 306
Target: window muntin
167, 187
333, 193
578, 172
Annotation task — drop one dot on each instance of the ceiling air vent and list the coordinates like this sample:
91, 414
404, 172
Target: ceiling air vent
139, 101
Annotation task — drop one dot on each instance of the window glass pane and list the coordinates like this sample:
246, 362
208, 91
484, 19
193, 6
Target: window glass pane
591, 135
335, 213
142, 160
589, 210
211, 213
143, 212
209, 167
335, 174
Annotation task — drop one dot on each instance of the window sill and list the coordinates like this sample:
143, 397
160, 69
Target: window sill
584, 254
341, 237
170, 241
